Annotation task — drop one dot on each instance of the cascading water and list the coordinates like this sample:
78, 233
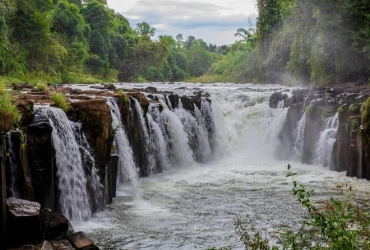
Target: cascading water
198, 140
324, 146
177, 139
126, 165
94, 185
74, 200
157, 140
13, 167
190, 207
148, 147
298, 134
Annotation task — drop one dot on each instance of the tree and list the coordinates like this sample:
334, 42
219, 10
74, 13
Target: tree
144, 28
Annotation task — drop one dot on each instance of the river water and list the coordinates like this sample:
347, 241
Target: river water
194, 206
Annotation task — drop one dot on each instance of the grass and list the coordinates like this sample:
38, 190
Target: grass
60, 100
42, 86
122, 93
6, 104
210, 79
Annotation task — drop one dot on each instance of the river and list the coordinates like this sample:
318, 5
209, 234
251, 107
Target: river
195, 206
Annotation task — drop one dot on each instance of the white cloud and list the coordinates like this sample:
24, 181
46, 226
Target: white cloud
214, 21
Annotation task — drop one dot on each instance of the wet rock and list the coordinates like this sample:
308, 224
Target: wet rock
46, 245
110, 87
150, 89
275, 98
63, 244
25, 109
174, 101
6, 120
144, 103
41, 161
187, 103
111, 178
96, 122
54, 226
81, 242
23, 221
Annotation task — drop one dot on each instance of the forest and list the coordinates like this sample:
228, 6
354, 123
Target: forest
306, 42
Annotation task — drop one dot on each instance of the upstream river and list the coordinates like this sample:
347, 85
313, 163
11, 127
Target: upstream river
194, 206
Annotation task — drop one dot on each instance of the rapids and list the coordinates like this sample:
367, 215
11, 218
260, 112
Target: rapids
192, 205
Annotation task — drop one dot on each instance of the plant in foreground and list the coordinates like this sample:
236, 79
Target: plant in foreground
334, 224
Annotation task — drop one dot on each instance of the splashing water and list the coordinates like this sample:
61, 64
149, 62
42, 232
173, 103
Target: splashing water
324, 146
126, 164
177, 140
299, 135
157, 141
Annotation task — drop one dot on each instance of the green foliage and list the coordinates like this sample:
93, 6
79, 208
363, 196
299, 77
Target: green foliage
60, 100
333, 224
365, 120
6, 105
42, 86
122, 93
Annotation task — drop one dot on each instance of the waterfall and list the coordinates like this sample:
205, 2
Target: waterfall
198, 140
126, 164
146, 142
94, 185
299, 135
13, 167
324, 146
72, 183
177, 140
157, 141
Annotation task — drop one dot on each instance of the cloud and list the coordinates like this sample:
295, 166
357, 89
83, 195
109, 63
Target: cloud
209, 19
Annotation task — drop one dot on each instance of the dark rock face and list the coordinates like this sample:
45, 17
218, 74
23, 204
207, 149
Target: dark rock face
174, 101
275, 98
23, 221
318, 104
54, 226
187, 103
41, 161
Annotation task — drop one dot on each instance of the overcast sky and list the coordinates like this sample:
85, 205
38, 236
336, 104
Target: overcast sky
214, 21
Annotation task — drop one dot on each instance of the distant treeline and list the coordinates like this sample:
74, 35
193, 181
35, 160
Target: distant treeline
74, 40
295, 41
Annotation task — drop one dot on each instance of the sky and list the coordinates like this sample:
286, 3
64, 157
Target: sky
214, 21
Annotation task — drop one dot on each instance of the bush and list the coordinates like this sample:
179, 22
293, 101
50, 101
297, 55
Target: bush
125, 97
42, 86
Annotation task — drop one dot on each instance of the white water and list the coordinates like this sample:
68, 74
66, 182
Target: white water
299, 135
74, 201
193, 206
126, 165
159, 146
324, 146
13, 167
177, 140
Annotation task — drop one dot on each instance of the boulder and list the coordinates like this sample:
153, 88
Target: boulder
54, 226
275, 98
81, 242
23, 221
63, 244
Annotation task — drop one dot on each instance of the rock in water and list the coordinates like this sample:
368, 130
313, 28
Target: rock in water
81, 242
